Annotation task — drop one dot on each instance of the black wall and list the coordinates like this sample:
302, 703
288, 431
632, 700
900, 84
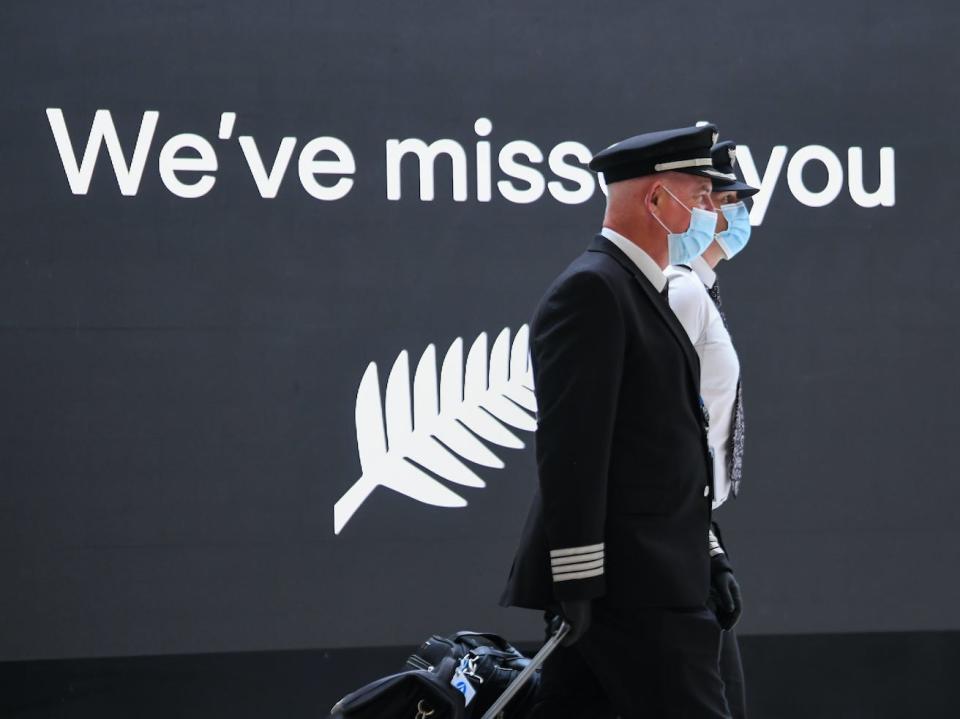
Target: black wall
180, 375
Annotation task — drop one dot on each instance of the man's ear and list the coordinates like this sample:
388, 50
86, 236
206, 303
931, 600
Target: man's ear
654, 195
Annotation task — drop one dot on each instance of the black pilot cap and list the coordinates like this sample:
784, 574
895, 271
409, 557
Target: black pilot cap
685, 149
725, 161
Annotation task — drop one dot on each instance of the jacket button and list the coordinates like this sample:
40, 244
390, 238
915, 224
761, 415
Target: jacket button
706, 491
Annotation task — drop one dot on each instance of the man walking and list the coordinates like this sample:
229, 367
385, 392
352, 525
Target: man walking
616, 539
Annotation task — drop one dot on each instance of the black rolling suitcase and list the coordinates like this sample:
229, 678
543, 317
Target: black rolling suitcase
486, 665
412, 694
476, 677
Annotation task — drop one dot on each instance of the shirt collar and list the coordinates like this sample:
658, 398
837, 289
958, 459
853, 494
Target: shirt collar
650, 269
706, 274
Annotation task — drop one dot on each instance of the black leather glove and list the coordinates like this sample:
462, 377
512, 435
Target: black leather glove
725, 593
576, 613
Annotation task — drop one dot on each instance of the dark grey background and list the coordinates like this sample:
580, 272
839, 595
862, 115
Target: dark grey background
179, 376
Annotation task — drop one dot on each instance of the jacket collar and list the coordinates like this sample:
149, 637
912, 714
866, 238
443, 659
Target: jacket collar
602, 244
650, 269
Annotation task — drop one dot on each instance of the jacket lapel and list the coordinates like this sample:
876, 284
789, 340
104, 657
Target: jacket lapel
602, 244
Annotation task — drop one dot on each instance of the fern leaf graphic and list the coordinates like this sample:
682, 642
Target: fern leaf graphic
437, 425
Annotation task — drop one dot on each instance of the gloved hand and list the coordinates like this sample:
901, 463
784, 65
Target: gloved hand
725, 593
577, 614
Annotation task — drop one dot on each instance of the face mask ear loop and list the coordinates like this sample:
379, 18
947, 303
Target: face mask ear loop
660, 222
677, 199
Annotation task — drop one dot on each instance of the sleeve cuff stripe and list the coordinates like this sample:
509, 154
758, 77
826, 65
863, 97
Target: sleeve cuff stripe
573, 551
575, 568
560, 561
579, 575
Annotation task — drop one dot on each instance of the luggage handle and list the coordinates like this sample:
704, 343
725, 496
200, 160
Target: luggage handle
517, 684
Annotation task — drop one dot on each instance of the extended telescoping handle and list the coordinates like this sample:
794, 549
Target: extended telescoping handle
517, 684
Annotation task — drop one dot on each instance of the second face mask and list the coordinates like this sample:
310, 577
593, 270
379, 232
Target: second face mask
733, 239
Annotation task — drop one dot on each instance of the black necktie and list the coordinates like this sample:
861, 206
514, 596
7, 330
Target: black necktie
735, 446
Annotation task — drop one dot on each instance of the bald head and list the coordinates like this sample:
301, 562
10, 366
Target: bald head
633, 205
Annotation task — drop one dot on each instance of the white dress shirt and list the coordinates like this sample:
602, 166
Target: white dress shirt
704, 272
719, 365
650, 269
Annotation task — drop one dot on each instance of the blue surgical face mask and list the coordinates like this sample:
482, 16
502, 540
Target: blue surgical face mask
735, 237
685, 246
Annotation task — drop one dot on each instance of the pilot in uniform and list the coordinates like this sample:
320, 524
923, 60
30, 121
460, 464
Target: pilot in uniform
616, 538
695, 299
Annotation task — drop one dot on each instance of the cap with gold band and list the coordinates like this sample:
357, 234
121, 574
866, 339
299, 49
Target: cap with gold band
684, 149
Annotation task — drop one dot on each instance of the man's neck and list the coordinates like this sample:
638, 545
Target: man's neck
655, 247
713, 254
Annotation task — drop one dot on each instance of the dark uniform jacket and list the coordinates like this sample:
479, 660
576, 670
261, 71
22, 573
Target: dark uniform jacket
625, 472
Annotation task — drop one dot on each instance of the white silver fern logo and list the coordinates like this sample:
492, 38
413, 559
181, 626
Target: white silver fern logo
442, 423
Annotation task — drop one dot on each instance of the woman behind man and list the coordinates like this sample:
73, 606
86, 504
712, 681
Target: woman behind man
694, 296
